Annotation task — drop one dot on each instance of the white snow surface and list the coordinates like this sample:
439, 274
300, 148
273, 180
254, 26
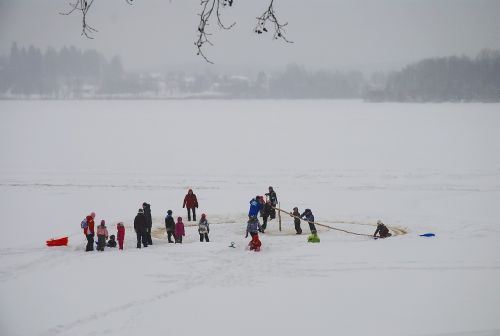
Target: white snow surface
418, 167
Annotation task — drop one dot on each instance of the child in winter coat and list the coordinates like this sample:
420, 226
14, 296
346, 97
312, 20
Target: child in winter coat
255, 243
120, 234
102, 235
203, 228
253, 227
296, 220
170, 226
111, 241
179, 230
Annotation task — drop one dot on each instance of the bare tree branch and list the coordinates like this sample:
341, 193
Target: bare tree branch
83, 6
209, 7
269, 16
210, 10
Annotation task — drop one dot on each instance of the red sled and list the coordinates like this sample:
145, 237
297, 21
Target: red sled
58, 242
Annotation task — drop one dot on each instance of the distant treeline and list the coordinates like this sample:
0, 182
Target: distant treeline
72, 74
444, 79
58, 74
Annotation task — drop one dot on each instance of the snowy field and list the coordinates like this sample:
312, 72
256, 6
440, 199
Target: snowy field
418, 167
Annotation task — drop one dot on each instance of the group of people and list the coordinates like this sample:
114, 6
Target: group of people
103, 237
143, 224
175, 230
267, 210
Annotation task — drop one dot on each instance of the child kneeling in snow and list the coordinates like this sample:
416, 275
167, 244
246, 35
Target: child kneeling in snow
382, 230
253, 227
111, 241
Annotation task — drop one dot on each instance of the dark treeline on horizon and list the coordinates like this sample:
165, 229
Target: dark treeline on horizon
72, 74
444, 79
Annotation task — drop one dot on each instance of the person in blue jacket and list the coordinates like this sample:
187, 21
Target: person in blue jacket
255, 207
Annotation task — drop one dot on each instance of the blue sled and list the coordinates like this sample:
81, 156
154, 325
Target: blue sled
427, 235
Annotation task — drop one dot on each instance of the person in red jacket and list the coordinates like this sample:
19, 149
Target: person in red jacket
179, 230
120, 235
89, 232
191, 203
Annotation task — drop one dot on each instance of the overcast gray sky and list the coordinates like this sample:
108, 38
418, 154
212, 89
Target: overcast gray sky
329, 34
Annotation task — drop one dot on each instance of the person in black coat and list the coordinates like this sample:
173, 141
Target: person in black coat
149, 221
382, 230
296, 220
140, 228
271, 195
170, 226
308, 216
265, 213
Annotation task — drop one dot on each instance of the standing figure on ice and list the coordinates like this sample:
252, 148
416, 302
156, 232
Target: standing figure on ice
296, 220
253, 228
88, 231
149, 221
203, 228
255, 207
271, 196
382, 230
265, 213
120, 234
191, 203
140, 228
102, 235
170, 226
309, 217
179, 230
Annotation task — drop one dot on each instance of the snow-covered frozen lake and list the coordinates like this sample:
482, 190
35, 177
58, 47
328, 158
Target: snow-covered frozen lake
418, 167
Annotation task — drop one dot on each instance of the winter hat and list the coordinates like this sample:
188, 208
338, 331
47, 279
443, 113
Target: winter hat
203, 215
169, 212
103, 222
379, 222
296, 209
141, 210
92, 214
179, 219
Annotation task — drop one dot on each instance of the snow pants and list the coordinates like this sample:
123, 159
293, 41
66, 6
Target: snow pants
90, 242
170, 234
189, 214
120, 244
204, 235
141, 237
264, 224
101, 242
178, 239
298, 229
312, 227
148, 236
